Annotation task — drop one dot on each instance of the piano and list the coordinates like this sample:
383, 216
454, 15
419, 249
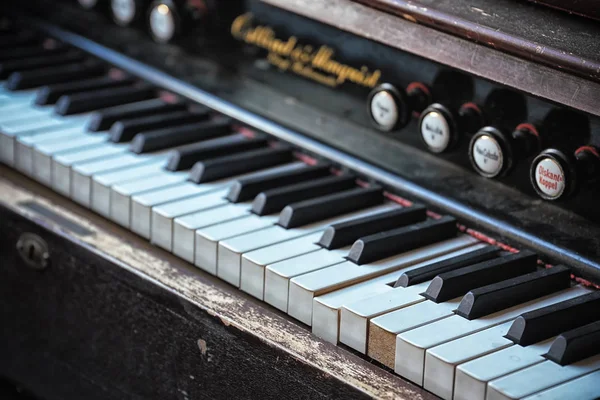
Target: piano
299, 199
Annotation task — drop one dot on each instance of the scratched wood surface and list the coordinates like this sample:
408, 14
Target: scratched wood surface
256, 352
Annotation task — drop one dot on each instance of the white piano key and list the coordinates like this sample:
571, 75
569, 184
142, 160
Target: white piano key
384, 329
412, 345
472, 377
25, 144
355, 316
304, 288
162, 216
22, 111
207, 239
42, 156
81, 174
278, 275
121, 193
253, 265
230, 250
536, 378
102, 182
8, 139
142, 204
441, 361
326, 308
184, 228
62, 163
585, 388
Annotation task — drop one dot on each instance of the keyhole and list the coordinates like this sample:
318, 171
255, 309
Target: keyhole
31, 251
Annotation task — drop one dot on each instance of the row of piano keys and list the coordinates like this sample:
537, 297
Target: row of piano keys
462, 318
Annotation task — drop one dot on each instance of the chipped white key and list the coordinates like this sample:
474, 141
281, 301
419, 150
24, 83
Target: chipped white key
384, 329
441, 361
585, 388
536, 378
306, 287
121, 193
412, 345
254, 262
355, 316
472, 377
279, 274
207, 239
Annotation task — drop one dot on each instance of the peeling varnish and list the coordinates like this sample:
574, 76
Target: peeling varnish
232, 309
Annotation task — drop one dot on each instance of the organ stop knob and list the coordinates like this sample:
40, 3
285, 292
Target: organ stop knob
440, 127
168, 19
127, 12
555, 174
390, 108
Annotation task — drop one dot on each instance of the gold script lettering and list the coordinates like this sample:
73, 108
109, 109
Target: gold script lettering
318, 65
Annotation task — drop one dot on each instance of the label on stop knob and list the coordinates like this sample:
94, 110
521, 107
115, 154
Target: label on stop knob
487, 155
550, 178
384, 109
162, 23
435, 131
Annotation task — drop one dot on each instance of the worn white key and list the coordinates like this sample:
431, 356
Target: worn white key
472, 377
102, 182
162, 216
24, 146
326, 308
355, 316
184, 228
207, 239
441, 361
384, 329
22, 111
585, 388
121, 193
142, 204
279, 274
536, 378
81, 174
42, 156
62, 163
231, 250
412, 345
306, 287
253, 265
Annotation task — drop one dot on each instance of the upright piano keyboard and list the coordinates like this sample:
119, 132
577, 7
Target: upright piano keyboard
471, 271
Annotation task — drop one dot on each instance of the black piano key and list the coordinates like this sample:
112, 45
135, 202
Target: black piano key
51, 93
274, 200
103, 120
546, 322
248, 188
428, 272
385, 244
318, 209
498, 296
125, 131
345, 233
576, 345
26, 64
456, 283
51, 75
241, 163
102, 98
180, 135
186, 156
